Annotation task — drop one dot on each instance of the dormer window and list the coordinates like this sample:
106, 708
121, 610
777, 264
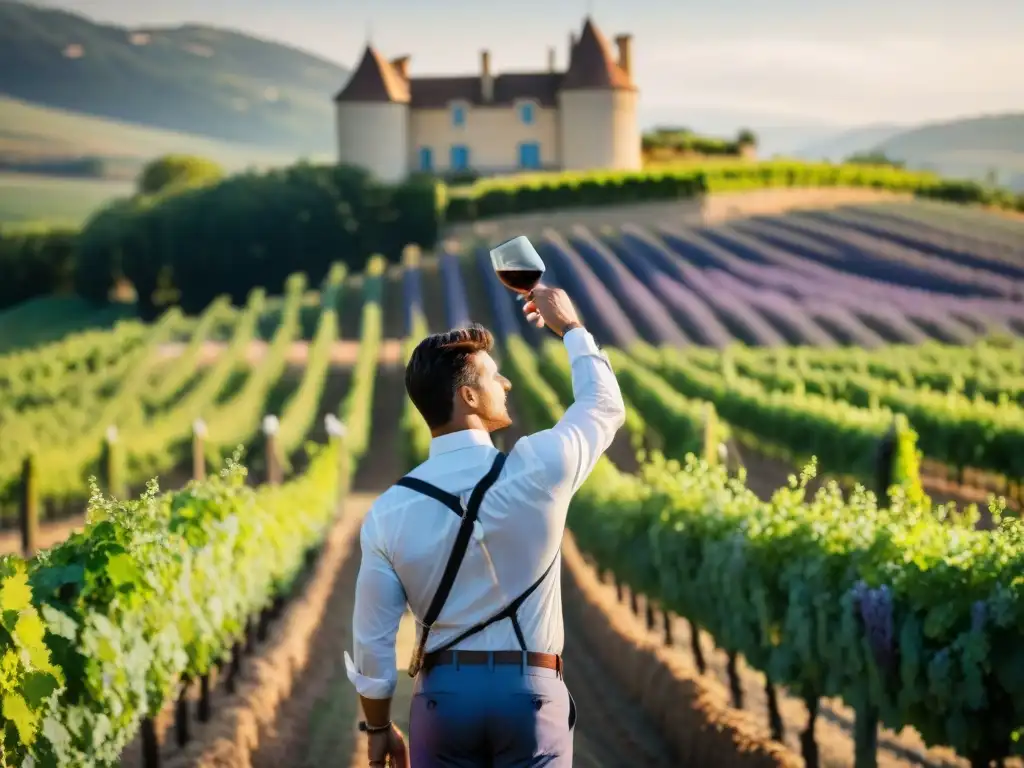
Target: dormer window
527, 111
458, 114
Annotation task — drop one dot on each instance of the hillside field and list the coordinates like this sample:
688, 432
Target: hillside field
35, 134
31, 131
884, 342
29, 198
191, 79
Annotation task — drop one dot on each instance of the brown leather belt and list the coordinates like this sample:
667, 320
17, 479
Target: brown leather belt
543, 660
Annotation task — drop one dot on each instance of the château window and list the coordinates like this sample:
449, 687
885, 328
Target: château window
426, 159
458, 115
529, 155
526, 113
459, 160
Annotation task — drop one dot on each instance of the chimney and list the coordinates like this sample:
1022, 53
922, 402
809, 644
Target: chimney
401, 65
625, 44
486, 79
551, 59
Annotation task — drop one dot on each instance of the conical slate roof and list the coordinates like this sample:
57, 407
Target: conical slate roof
593, 64
375, 80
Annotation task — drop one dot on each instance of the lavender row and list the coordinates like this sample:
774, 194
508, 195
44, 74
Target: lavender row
646, 258
412, 295
813, 281
743, 322
500, 299
930, 313
784, 312
599, 308
960, 249
774, 242
980, 226
650, 316
862, 322
821, 281
845, 325
931, 272
739, 321
456, 304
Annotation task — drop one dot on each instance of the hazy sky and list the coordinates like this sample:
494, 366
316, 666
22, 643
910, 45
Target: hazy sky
835, 61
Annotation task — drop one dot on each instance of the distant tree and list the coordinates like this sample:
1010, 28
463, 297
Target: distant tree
746, 138
177, 171
873, 157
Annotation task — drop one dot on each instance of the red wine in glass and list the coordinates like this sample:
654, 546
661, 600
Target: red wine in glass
520, 280
517, 264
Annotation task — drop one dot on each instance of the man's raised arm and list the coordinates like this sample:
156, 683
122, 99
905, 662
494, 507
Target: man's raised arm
569, 451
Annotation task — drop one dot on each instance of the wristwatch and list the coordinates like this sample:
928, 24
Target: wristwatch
367, 728
571, 327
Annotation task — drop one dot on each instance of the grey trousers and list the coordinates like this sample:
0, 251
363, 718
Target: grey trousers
491, 715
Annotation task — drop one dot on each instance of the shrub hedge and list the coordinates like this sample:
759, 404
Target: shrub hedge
35, 263
254, 229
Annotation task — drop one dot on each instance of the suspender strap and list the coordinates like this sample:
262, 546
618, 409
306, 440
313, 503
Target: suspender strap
508, 612
458, 553
450, 500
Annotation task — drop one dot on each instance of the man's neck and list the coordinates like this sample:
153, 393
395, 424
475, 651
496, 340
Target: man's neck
472, 422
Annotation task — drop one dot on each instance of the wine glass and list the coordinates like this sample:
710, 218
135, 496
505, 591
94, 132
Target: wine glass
518, 265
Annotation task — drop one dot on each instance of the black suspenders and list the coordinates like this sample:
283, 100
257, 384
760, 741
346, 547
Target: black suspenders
455, 558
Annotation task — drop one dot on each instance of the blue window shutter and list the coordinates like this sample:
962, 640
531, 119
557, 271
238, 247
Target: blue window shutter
459, 157
426, 159
529, 154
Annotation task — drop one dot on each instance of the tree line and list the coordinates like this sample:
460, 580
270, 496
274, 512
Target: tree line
191, 234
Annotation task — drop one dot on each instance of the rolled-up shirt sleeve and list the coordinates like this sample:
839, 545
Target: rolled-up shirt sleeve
379, 606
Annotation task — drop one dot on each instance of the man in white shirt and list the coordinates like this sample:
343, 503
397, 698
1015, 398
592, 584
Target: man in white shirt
470, 539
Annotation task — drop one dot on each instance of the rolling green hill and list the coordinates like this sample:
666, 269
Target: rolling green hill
26, 198
972, 147
969, 147
191, 80
33, 134
32, 137
839, 146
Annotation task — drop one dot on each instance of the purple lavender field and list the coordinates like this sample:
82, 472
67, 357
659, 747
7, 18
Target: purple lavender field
856, 276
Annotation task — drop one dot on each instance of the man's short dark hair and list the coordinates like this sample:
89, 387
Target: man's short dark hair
439, 365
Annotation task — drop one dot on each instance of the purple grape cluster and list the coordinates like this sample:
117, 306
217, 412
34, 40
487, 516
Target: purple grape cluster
875, 607
979, 615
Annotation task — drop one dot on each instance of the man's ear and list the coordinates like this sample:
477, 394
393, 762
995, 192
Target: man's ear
468, 395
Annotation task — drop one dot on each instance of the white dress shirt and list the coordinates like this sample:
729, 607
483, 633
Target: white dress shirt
406, 537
